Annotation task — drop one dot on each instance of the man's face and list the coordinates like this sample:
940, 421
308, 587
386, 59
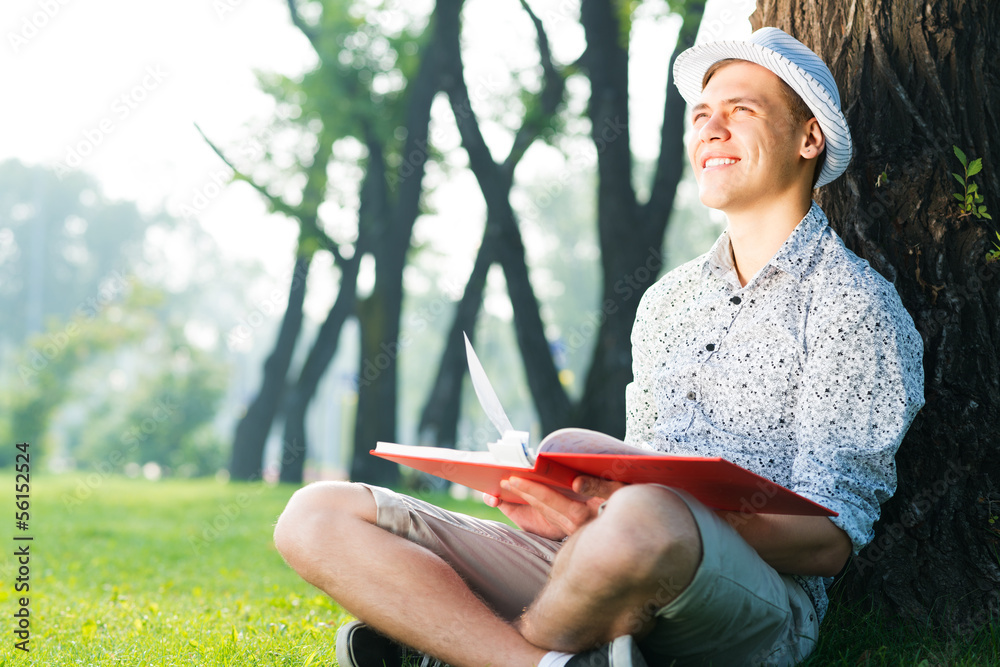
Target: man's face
744, 147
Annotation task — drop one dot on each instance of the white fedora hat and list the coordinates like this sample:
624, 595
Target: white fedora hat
796, 65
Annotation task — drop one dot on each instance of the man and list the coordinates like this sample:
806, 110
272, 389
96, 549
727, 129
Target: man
779, 349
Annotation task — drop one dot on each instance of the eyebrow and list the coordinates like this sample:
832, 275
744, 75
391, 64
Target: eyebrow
753, 101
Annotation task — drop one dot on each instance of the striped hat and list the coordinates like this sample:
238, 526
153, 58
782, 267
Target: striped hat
796, 65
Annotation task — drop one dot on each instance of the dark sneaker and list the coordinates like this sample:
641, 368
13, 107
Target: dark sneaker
358, 645
622, 652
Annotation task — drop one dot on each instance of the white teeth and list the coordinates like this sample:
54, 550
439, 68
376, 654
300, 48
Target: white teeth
717, 161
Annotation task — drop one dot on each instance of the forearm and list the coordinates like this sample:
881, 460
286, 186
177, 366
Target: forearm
807, 545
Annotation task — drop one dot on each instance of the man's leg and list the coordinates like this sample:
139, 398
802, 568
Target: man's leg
328, 534
613, 574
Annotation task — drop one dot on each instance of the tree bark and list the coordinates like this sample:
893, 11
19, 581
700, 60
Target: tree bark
917, 78
253, 429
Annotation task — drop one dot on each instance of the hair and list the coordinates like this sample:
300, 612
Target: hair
797, 107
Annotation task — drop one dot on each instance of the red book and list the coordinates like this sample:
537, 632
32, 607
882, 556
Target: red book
567, 453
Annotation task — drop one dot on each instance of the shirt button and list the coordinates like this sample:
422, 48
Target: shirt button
736, 300
710, 347
692, 395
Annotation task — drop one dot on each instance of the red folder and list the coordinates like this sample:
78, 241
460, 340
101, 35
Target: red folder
714, 481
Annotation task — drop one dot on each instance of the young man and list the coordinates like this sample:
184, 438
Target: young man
778, 349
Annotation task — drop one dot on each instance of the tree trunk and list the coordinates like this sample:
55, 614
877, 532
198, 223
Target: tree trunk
380, 313
295, 445
439, 419
495, 180
253, 429
630, 234
917, 78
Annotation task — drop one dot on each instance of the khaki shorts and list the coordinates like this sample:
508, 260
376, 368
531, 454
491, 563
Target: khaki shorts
736, 611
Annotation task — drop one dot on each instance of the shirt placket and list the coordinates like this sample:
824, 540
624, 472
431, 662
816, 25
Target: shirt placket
723, 316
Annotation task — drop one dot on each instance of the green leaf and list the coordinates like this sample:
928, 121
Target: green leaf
987, 215
981, 211
958, 177
961, 156
975, 167
958, 196
972, 188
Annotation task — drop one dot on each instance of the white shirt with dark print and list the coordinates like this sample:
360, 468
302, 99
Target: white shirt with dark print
808, 376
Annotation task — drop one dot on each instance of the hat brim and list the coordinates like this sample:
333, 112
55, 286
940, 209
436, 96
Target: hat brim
691, 65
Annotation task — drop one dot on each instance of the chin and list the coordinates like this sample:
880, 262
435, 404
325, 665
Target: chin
713, 199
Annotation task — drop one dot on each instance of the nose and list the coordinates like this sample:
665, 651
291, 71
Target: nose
714, 128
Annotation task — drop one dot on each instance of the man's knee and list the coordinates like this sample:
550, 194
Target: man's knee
648, 536
320, 508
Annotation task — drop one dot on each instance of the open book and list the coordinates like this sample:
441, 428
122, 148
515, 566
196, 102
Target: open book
567, 453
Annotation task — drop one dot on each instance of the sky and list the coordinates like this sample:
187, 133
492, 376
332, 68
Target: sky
115, 88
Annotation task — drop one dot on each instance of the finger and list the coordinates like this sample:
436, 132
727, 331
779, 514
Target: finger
595, 486
491, 500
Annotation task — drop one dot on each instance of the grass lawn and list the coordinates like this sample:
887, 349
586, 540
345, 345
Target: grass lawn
127, 572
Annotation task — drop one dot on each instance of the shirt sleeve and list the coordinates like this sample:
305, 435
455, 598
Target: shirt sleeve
862, 387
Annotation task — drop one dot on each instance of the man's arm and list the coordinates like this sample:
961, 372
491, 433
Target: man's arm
807, 545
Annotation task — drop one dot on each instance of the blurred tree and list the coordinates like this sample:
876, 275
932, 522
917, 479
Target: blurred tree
370, 94
253, 428
630, 234
38, 377
915, 81
392, 80
375, 87
161, 410
162, 415
61, 243
501, 243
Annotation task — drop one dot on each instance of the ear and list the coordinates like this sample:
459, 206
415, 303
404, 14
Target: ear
813, 141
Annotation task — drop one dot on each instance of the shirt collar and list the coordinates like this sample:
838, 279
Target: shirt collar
792, 257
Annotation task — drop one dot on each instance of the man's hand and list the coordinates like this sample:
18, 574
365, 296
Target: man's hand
548, 513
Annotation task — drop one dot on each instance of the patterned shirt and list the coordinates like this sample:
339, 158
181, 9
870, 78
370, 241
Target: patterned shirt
808, 376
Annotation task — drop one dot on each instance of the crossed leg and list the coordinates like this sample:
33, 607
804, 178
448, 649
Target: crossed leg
644, 547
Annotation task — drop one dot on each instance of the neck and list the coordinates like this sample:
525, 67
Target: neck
756, 235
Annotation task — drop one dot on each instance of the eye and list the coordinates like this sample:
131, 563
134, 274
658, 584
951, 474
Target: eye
741, 108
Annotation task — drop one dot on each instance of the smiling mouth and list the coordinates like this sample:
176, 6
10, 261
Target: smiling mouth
719, 162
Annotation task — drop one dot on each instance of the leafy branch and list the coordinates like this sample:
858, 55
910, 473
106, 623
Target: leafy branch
971, 200
994, 255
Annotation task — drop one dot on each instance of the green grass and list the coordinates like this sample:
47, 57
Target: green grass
126, 572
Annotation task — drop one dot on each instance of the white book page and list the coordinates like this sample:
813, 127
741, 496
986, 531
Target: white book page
585, 441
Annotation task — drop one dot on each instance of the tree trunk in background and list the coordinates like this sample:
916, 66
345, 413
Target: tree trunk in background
294, 444
439, 419
630, 234
495, 181
378, 316
380, 313
915, 79
253, 429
